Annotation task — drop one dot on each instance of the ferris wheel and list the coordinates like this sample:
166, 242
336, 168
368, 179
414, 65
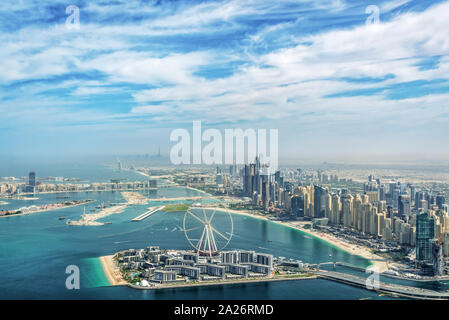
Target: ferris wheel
205, 237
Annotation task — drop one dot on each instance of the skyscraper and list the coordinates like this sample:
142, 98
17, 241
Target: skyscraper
440, 200
347, 211
32, 179
319, 202
404, 206
425, 233
336, 207
298, 205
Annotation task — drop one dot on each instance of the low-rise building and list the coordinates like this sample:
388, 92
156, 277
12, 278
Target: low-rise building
164, 275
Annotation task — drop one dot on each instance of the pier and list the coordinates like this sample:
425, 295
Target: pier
148, 213
180, 198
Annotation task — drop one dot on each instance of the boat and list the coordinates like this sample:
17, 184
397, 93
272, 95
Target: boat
270, 240
61, 218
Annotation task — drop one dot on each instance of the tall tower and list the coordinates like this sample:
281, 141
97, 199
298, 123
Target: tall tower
32, 178
425, 232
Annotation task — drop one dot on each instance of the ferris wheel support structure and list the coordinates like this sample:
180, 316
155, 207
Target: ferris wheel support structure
207, 244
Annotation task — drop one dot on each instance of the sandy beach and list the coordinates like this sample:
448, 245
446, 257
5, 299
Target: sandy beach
91, 219
134, 198
111, 271
379, 262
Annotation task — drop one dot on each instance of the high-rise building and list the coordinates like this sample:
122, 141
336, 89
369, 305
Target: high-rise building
438, 259
425, 233
404, 209
412, 193
336, 207
32, 178
298, 205
231, 170
347, 211
219, 179
319, 203
373, 196
249, 179
440, 200
423, 205
395, 197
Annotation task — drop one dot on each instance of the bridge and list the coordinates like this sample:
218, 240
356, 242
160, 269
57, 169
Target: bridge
179, 198
390, 288
337, 263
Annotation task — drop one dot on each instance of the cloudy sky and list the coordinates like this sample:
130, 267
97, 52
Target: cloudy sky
334, 81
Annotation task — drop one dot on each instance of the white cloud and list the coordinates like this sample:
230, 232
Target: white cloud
152, 109
391, 5
287, 84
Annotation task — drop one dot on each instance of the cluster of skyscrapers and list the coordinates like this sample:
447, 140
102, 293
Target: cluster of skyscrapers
393, 212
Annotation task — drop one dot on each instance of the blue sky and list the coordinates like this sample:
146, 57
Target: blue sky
334, 86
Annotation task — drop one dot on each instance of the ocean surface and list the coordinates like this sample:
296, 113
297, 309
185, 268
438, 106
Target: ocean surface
36, 249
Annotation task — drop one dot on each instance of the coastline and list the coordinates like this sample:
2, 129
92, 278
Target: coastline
229, 282
377, 261
91, 219
46, 210
111, 271
114, 277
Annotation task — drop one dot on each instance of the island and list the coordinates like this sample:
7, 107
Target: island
156, 268
43, 208
132, 198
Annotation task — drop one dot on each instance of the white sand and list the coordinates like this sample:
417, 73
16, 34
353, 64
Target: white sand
91, 219
134, 198
112, 271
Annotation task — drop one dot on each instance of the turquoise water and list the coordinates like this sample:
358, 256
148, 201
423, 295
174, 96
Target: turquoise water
36, 249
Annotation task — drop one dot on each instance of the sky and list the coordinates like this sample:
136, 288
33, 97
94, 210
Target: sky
338, 83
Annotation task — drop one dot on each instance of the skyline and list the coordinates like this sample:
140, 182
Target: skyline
336, 88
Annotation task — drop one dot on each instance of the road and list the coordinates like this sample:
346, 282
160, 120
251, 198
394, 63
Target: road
405, 291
